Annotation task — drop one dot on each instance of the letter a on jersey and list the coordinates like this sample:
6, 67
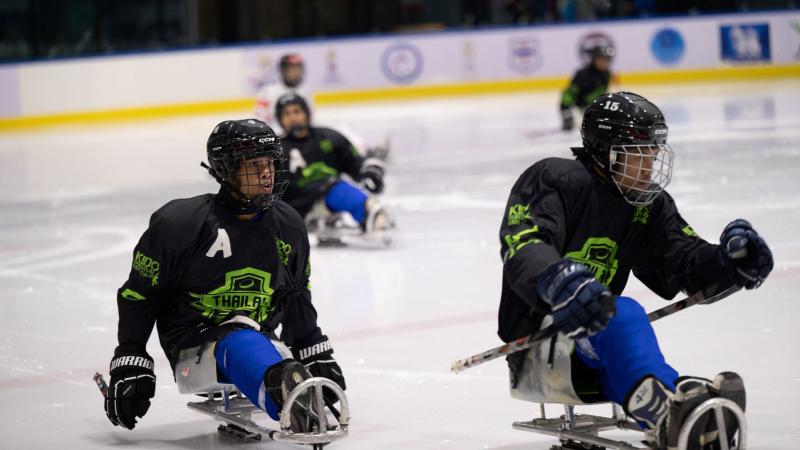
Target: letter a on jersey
222, 244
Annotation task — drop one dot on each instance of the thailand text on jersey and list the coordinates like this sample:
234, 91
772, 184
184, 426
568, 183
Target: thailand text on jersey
587, 84
558, 208
197, 265
315, 163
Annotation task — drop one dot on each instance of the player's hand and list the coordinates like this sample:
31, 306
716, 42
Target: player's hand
581, 305
745, 249
132, 385
372, 178
318, 359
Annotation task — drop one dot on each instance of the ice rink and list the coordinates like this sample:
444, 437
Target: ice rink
77, 198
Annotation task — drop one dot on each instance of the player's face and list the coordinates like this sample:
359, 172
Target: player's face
633, 168
293, 117
602, 63
256, 176
293, 75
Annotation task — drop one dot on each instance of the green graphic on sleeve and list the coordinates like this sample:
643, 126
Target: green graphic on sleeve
514, 242
284, 250
641, 215
146, 267
308, 273
600, 90
599, 254
687, 230
326, 145
314, 172
518, 213
132, 295
246, 291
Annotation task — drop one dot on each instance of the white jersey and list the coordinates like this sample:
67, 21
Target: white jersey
268, 96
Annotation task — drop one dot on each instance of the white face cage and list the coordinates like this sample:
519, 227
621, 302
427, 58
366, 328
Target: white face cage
641, 172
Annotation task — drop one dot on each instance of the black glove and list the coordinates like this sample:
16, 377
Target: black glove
372, 177
319, 361
567, 122
741, 246
132, 385
581, 305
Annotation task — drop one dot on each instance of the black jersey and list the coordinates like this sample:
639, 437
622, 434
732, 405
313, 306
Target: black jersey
587, 84
560, 208
315, 163
198, 265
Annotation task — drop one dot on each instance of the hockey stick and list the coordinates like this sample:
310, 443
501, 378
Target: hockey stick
546, 333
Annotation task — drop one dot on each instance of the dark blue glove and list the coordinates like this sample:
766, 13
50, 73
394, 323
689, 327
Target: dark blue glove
132, 385
742, 247
581, 305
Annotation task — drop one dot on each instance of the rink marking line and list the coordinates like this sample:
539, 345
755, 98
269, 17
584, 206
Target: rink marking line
389, 330
412, 375
410, 327
398, 93
38, 378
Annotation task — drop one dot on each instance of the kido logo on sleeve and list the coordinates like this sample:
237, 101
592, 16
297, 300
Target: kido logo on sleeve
744, 42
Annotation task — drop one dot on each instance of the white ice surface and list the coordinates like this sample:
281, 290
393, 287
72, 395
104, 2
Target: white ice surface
75, 200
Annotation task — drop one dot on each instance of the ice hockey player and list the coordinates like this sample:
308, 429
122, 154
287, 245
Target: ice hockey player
317, 158
587, 84
292, 73
573, 231
225, 270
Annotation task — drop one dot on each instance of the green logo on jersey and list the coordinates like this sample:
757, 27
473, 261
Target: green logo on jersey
518, 213
246, 290
641, 215
130, 294
308, 273
326, 145
687, 230
146, 267
283, 251
599, 254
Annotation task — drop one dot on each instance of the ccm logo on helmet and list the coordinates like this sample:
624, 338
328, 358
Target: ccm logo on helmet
661, 131
264, 140
605, 127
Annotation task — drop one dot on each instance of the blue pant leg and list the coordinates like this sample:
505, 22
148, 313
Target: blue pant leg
243, 358
343, 196
626, 352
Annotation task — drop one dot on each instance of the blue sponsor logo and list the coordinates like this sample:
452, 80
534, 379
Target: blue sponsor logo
668, 46
401, 63
744, 42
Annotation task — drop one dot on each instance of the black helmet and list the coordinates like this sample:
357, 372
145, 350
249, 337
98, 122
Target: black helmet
623, 123
601, 51
289, 60
232, 143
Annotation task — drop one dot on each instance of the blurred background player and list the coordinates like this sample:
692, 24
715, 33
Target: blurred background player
587, 84
318, 157
224, 270
573, 232
292, 70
